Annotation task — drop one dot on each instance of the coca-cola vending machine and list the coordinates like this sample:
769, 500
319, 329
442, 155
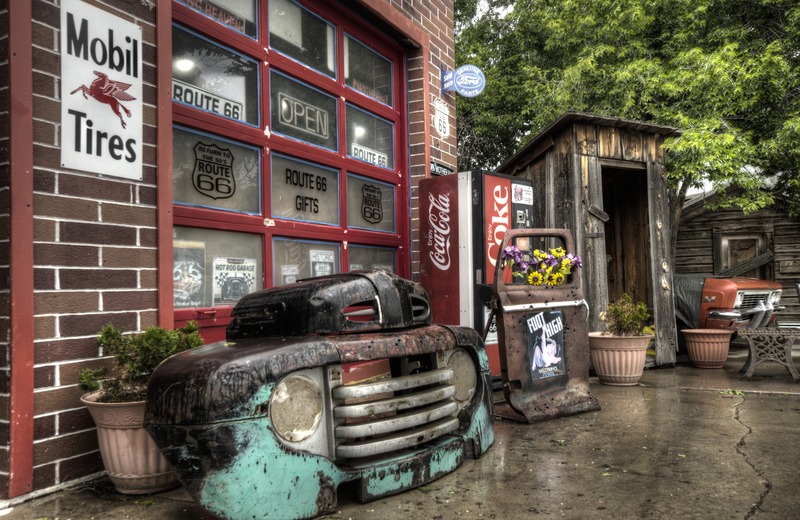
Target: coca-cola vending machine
463, 219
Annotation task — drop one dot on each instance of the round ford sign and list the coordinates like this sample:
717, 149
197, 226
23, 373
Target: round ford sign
469, 80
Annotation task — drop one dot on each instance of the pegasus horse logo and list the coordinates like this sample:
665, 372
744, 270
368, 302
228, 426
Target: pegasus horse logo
109, 92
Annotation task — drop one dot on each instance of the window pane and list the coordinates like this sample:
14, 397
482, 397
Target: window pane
212, 78
304, 191
370, 204
212, 267
303, 36
294, 260
239, 15
367, 71
302, 112
214, 172
364, 257
369, 138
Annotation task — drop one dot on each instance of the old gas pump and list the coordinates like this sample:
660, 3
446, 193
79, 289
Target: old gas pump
542, 328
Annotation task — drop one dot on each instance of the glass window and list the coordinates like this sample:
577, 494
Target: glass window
303, 112
214, 172
370, 204
294, 260
365, 257
212, 267
367, 71
239, 15
369, 138
212, 78
303, 36
304, 191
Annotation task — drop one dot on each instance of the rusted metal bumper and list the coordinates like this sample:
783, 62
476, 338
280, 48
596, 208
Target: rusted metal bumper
271, 428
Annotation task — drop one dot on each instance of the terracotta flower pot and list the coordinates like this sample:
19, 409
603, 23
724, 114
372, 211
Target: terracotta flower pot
133, 461
707, 348
618, 360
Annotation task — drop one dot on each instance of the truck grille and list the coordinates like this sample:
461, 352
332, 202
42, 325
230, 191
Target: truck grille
387, 415
750, 300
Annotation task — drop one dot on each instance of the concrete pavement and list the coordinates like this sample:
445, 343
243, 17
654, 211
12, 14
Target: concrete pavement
685, 443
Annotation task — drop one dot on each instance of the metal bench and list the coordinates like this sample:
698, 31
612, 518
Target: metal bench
770, 344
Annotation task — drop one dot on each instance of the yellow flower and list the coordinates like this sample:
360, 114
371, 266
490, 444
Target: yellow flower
535, 278
558, 252
555, 278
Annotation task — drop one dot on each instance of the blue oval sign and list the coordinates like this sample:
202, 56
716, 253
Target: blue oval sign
469, 80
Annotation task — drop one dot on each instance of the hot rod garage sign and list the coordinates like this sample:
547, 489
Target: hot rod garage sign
101, 92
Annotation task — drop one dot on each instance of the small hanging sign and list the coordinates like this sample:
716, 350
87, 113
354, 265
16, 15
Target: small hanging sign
467, 80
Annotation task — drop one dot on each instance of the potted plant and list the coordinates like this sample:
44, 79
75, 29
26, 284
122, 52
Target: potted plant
619, 354
133, 461
707, 348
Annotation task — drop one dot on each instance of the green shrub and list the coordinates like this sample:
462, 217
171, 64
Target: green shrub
625, 317
136, 356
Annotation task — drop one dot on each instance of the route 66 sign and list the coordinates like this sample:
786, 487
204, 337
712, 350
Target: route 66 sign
371, 208
213, 171
441, 118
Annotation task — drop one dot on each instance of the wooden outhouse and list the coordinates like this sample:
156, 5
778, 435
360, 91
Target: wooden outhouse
603, 179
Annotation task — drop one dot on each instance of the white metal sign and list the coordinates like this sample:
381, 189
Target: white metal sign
441, 118
369, 155
101, 92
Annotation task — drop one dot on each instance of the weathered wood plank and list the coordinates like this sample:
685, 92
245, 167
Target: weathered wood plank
586, 139
609, 143
633, 146
662, 268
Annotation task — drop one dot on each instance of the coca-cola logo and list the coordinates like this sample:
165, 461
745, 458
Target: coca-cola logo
439, 222
498, 224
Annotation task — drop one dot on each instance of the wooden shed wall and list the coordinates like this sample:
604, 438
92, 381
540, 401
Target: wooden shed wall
695, 246
568, 193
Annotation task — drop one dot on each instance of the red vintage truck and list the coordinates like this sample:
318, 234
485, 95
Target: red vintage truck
705, 302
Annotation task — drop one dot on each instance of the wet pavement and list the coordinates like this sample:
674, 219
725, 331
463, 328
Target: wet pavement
684, 443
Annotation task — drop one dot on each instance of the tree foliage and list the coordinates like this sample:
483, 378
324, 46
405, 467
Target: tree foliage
725, 72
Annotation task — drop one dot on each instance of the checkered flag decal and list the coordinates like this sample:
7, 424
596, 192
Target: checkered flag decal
219, 280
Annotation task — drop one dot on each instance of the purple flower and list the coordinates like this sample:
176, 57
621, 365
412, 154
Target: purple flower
551, 261
511, 253
575, 260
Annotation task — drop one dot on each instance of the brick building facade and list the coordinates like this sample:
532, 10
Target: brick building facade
84, 246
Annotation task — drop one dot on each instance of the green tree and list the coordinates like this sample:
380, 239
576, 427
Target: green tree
725, 72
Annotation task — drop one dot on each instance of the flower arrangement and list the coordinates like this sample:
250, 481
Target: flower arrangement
541, 267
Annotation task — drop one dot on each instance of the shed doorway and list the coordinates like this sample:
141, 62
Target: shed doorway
627, 233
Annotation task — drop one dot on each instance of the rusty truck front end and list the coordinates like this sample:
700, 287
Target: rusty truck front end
330, 382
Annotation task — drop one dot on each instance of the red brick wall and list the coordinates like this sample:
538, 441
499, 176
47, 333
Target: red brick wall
94, 255
435, 17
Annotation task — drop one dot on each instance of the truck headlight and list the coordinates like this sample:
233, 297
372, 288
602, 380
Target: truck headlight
739, 299
775, 297
296, 407
465, 375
